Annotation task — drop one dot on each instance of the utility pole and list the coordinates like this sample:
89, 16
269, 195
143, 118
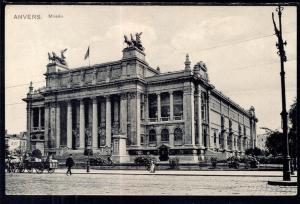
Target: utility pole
280, 46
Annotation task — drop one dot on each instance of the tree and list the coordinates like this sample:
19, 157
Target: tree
254, 151
293, 132
274, 143
275, 139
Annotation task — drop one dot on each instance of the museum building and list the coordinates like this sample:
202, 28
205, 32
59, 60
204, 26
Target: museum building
132, 109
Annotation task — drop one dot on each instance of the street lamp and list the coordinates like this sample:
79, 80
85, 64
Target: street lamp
280, 45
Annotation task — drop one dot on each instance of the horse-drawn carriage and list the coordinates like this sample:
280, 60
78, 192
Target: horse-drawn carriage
30, 164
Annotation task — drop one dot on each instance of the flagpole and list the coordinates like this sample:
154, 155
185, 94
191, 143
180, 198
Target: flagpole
89, 53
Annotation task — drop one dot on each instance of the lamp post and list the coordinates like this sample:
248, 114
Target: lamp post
280, 46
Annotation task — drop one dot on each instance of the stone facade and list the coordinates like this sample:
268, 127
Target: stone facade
132, 109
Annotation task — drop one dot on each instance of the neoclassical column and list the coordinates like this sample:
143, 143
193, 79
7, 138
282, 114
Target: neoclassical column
171, 137
189, 114
81, 124
57, 125
138, 119
217, 140
69, 124
123, 113
95, 123
158, 107
102, 123
171, 106
224, 135
135, 118
46, 124
116, 111
210, 138
53, 128
146, 107
40, 118
199, 116
31, 119
108, 121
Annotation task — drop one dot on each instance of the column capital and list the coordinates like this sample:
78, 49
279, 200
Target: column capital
53, 105
107, 97
171, 92
94, 99
132, 95
68, 101
123, 96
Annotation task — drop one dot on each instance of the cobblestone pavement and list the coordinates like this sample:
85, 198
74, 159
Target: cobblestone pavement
143, 183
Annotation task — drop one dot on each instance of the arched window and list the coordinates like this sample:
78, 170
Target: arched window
178, 134
165, 135
152, 136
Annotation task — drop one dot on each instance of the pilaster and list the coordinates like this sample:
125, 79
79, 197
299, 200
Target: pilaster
69, 124
188, 109
158, 107
171, 106
81, 125
57, 125
108, 121
123, 114
95, 123
199, 116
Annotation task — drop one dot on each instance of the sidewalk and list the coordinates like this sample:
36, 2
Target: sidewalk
180, 173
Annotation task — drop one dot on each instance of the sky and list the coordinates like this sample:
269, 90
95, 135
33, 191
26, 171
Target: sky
237, 43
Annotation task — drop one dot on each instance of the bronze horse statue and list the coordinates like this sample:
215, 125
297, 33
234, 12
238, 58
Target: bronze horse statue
55, 58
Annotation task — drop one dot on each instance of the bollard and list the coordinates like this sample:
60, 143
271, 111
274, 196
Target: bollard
88, 166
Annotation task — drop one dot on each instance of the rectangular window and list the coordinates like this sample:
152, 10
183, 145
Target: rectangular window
43, 117
165, 106
35, 117
178, 105
152, 101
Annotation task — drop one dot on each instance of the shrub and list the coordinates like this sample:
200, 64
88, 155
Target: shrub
214, 162
174, 163
88, 152
254, 151
36, 153
250, 161
144, 161
253, 162
233, 162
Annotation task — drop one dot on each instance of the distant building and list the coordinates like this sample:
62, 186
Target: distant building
128, 106
261, 141
17, 143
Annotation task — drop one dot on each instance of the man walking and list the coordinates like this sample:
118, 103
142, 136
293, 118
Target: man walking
69, 164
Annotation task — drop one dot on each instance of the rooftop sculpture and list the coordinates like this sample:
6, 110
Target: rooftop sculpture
134, 42
55, 58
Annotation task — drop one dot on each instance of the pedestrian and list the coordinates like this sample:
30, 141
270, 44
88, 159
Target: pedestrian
152, 167
69, 163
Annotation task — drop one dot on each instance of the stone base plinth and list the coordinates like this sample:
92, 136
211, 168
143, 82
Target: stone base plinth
119, 154
120, 158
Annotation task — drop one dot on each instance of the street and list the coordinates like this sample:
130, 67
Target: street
114, 182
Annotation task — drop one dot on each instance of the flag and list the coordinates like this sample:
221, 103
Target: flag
87, 54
